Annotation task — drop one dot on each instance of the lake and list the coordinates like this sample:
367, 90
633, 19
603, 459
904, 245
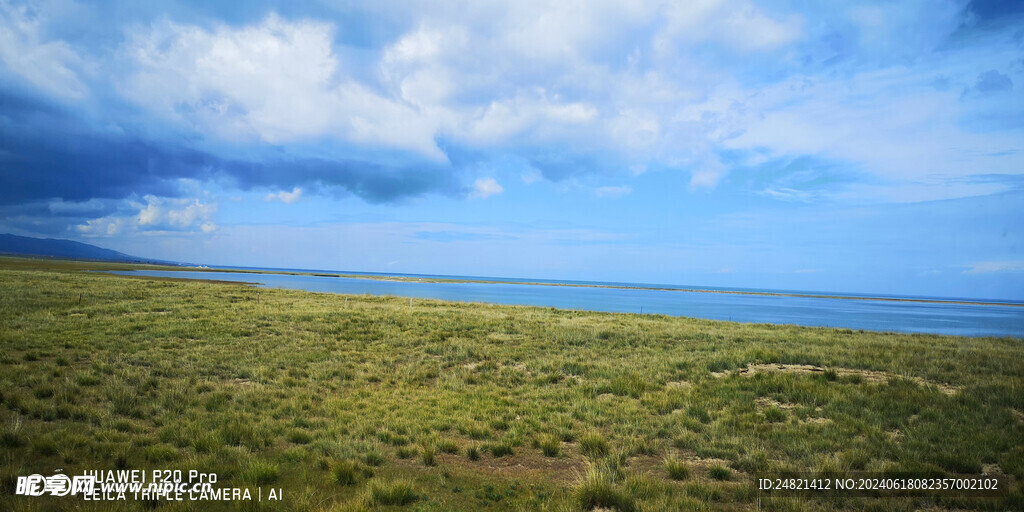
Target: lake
876, 315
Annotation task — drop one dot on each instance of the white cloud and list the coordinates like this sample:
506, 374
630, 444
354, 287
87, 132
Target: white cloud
571, 113
484, 188
534, 114
285, 196
105, 226
150, 214
49, 65
707, 175
157, 214
613, 192
279, 81
268, 79
531, 176
189, 214
458, 74
633, 80
737, 24
889, 123
636, 130
987, 267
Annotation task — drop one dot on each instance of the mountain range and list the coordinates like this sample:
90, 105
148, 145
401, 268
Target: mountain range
66, 249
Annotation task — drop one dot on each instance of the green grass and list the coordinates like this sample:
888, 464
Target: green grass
719, 473
593, 444
260, 472
774, 415
498, 402
428, 454
598, 489
398, 492
675, 468
550, 445
344, 472
501, 449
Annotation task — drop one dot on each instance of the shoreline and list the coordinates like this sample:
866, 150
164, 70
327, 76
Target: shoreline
118, 266
405, 279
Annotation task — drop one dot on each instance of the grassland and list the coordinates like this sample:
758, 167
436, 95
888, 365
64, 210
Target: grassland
366, 403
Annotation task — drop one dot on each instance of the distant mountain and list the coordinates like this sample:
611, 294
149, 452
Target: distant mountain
69, 249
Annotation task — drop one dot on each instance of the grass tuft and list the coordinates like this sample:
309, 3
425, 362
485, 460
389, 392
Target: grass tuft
394, 492
720, 473
774, 414
405, 452
676, 469
300, 437
429, 454
597, 489
344, 472
500, 449
593, 444
447, 446
550, 445
260, 472
373, 458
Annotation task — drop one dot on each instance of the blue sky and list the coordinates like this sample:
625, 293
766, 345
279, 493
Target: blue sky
859, 147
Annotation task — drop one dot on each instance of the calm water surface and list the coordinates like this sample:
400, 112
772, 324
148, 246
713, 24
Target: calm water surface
925, 317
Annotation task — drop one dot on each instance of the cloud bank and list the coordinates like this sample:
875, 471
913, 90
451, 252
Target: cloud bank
283, 101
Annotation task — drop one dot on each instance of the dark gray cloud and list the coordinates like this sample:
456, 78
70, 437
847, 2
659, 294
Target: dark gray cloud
993, 81
557, 166
48, 153
376, 183
995, 10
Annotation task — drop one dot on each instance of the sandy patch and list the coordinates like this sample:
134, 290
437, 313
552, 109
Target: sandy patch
1019, 415
765, 402
656, 463
816, 420
524, 464
806, 369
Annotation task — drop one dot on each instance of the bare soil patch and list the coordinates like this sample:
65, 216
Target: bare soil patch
873, 376
765, 402
1018, 414
655, 464
524, 464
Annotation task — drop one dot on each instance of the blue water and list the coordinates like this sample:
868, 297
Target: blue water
875, 315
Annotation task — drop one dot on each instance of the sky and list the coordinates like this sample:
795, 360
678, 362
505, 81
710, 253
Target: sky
863, 147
